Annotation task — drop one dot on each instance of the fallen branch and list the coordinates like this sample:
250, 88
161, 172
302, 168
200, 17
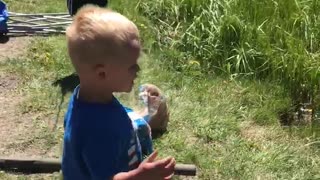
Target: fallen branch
54, 165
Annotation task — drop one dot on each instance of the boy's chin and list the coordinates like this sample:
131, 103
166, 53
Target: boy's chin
125, 89
129, 89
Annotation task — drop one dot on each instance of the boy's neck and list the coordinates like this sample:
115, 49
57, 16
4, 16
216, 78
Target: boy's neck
93, 95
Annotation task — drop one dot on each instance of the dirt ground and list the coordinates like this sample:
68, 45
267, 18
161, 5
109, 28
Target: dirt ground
13, 47
12, 124
18, 136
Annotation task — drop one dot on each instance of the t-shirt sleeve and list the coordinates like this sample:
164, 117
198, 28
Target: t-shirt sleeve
101, 153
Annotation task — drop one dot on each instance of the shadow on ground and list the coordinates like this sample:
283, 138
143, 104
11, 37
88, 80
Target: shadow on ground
66, 84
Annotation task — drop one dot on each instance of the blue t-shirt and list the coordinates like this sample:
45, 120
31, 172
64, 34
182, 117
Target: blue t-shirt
99, 140
141, 126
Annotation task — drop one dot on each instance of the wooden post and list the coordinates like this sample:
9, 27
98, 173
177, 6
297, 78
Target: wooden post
54, 165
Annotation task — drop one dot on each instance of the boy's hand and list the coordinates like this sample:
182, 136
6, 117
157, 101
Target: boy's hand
156, 169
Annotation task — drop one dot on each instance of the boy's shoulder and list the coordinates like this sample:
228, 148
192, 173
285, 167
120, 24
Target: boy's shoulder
76, 103
92, 115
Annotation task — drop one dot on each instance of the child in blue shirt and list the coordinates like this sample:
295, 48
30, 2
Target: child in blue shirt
101, 141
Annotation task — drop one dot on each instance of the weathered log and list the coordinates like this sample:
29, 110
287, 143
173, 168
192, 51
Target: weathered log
30, 165
185, 169
54, 165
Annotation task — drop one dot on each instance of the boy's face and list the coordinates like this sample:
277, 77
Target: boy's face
121, 75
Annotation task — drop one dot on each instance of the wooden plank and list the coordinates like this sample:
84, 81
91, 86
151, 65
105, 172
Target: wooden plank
40, 23
15, 21
58, 18
41, 19
49, 18
32, 26
54, 165
13, 14
52, 25
34, 32
35, 29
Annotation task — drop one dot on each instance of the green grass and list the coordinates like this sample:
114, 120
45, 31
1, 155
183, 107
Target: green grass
36, 6
258, 39
225, 123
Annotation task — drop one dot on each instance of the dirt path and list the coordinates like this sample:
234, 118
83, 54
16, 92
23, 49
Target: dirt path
19, 135
13, 124
13, 47
9, 122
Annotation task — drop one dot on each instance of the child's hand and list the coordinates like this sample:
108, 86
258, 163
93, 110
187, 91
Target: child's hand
156, 169
157, 108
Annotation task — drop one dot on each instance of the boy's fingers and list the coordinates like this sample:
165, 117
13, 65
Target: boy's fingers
169, 168
152, 156
169, 177
163, 162
172, 164
165, 166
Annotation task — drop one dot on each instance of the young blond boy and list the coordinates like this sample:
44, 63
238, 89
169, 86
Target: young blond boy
100, 141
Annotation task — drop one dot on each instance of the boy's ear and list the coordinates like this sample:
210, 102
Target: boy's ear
101, 71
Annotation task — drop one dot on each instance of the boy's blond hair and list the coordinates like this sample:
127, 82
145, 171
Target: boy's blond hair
97, 35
